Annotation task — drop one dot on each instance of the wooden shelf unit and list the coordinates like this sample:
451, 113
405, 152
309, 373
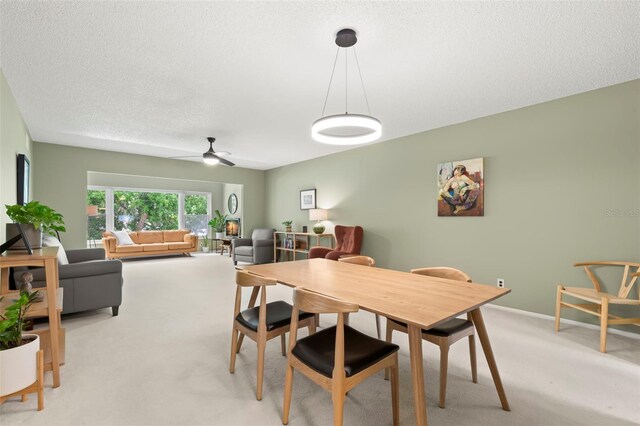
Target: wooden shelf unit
300, 242
50, 307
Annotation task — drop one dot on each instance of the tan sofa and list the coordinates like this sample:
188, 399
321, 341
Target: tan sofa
151, 243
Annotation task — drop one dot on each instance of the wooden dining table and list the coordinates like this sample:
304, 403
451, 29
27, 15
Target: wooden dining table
420, 301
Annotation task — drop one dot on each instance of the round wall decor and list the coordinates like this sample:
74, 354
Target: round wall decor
232, 203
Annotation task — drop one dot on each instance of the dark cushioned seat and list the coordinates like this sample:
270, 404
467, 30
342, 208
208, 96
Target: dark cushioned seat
360, 351
278, 315
446, 329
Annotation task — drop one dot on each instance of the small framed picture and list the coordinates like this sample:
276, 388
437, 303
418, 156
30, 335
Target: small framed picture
307, 199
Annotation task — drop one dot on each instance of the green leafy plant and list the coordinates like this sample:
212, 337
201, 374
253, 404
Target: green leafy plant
12, 323
217, 223
287, 223
39, 215
204, 242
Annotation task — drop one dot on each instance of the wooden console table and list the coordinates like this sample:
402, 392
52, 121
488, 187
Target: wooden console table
300, 243
51, 306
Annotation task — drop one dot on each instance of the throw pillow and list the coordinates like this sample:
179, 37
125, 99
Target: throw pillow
123, 238
50, 241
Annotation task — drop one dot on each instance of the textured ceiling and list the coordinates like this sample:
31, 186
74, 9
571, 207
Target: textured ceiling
156, 78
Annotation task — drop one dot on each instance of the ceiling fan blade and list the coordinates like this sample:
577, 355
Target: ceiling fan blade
185, 156
225, 162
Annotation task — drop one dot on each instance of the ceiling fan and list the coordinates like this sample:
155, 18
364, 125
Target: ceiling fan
211, 157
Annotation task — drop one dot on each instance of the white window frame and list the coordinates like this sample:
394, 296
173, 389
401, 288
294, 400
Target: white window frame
109, 190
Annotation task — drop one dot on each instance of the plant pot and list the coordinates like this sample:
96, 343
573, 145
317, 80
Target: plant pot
205, 249
18, 367
288, 229
34, 236
219, 235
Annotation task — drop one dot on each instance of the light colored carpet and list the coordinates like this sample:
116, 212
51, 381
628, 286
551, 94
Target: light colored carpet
164, 361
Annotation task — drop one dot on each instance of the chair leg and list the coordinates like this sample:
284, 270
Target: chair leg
261, 349
444, 363
288, 386
558, 307
472, 357
395, 392
387, 339
234, 350
338, 396
378, 331
283, 344
317, 318
604, 318
312, 327
239, 343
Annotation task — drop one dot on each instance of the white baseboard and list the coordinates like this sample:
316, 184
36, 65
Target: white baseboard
564, 321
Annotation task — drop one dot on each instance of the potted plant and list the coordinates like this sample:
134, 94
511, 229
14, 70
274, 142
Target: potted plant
217, 223
204, 243
18, 368
34, 219
287, 224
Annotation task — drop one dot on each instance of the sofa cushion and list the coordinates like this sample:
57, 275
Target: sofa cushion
123, 238
50, 241
134, 237
155, 247
149, 237
174, 236
178, 246
128, 249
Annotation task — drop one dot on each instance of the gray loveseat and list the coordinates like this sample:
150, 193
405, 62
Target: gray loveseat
257, 249
89, 281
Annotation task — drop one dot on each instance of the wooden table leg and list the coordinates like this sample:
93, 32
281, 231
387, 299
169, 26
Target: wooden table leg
417, 373
51, 270
476, 317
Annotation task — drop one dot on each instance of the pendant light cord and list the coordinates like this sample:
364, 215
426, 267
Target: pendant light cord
330, 81
361, 81
346, 83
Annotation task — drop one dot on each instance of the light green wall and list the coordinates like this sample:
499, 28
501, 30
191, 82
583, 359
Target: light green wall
61, 181
14, 140
553, 172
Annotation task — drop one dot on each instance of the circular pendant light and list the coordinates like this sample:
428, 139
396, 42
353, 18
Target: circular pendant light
346, 129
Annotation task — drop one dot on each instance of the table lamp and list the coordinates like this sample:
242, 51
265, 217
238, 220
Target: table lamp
319, 215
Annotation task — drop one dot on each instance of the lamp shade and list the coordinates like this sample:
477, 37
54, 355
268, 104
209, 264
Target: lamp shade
92, 210
318, 214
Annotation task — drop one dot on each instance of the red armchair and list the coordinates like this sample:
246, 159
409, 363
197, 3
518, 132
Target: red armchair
348, 242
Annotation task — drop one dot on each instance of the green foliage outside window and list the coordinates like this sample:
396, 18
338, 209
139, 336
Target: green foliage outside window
137, 211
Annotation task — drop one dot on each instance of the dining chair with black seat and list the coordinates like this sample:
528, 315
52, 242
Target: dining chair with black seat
262, 323
364, 261
445, 334
337, 358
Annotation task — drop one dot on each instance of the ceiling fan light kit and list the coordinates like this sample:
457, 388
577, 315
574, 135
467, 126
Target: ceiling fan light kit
346, 129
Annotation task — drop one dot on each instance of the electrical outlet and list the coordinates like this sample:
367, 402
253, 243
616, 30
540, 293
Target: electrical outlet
500, 283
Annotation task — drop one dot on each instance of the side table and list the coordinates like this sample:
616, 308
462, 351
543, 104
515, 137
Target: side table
51, 306
226, 245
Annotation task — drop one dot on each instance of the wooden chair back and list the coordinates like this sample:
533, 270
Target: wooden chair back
358, 260
443, 272
245, 279
628, 279
309, 301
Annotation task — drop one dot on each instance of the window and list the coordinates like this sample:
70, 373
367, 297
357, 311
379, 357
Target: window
139, 209
196, 217
96, 214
